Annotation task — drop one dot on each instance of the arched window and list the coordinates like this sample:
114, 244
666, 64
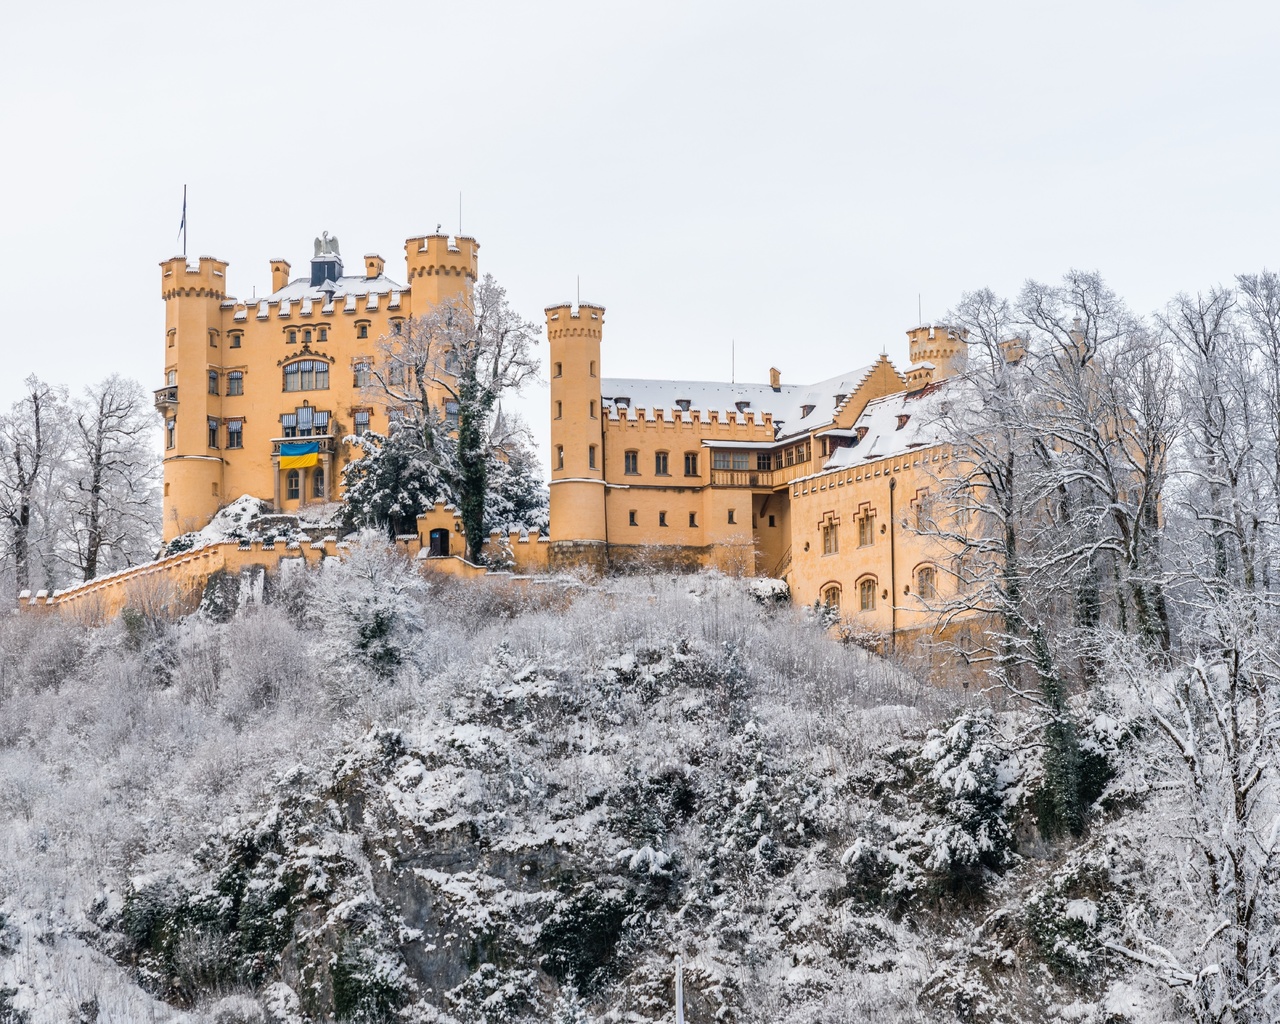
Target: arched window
926, 583
292, 482
660, 464
831, 596
307, 375
690, 463
317, 482
867, 594
631, 463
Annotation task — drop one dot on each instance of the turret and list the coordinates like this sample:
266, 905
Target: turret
577, 438
279, 274
940, 345
440, 267
187, 404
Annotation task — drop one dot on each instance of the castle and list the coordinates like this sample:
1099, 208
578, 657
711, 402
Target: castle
819, 484
814, 483
259, 393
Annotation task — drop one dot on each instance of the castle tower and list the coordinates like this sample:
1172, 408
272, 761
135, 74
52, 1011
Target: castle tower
191, 400
940, 345
578, 532
440, 267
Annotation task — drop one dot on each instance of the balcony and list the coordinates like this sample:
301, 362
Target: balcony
326, 443
166, 398
742, 478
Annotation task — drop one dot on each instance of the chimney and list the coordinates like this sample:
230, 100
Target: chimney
775, 378
279, 274
373, 264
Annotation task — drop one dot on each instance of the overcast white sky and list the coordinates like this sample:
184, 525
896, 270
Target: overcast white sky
791, 176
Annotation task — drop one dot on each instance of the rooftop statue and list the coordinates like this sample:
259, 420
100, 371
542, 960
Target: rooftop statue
327, 245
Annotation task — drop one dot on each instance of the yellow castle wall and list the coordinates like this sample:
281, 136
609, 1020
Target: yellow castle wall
203, 336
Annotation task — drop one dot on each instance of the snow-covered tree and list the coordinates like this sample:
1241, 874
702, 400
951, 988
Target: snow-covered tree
32, 449
112, 477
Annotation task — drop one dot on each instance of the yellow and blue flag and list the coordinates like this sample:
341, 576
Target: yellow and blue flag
299, 454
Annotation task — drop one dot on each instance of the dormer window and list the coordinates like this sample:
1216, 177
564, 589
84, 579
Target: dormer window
862, 432
902, 420
742, 406
840, 399
683, 404
805, 410
622, 402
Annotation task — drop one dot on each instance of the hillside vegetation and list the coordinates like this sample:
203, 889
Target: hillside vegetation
380, 797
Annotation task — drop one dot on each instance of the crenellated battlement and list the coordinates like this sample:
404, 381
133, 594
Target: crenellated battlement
564, 320
441, 255
731, 425
207, 279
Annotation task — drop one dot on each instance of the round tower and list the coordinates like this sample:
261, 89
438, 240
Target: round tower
578, 533
190, 403
439, 267
944, 347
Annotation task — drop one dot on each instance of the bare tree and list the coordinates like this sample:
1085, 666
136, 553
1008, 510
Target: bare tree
31, 446
444, 371
112, 508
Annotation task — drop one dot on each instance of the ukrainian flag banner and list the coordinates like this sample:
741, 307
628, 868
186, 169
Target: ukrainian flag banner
299, 454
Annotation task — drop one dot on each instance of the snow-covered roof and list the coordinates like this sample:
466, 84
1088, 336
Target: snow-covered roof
927, 422
354, 284
796, 408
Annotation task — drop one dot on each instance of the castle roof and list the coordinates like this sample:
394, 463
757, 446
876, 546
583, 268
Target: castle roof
904, 422
795, 408
355, 284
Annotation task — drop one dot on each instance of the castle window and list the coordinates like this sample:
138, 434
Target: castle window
557, 369
292, 485
213, 382
235, 434
591, 408
830, 538
631, 463
171, 378
720, 460
451, 414
866, 530
732, 521
662, 519
173, 336
307, 375
926, 583
170, 433
306, 337
360, 419
213, 433
690, 463
362, 330
660, 462
591, 456
831, 596
593, 368
235, 383
791, 456
235, 340
360, 375
166, 490
631, 518
867, 594
693, 518
772, 521
741, 460
324, 334
559, 456
213, 339
293, 337
317, 482
289, 425
215, 488
764, 462
559, 409
395, 373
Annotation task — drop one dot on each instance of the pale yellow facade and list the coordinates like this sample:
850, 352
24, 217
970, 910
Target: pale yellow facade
688, 474
242, 376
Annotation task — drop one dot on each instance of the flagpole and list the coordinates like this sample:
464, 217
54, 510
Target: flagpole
182, 226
